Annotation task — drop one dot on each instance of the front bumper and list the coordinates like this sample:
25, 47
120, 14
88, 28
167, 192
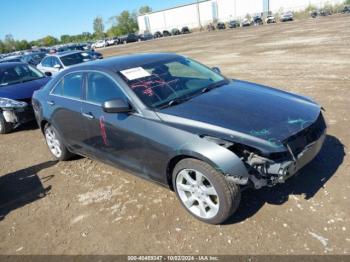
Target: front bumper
18, 116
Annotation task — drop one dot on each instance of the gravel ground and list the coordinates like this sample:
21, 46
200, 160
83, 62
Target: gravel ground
85, 207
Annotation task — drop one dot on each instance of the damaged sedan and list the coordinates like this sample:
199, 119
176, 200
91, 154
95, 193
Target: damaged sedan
18, 81
172, 120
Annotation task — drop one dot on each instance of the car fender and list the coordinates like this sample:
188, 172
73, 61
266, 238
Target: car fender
222, 159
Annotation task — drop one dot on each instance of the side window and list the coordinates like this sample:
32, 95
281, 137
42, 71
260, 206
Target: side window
55, 61
69, 86
47, 62
101, 88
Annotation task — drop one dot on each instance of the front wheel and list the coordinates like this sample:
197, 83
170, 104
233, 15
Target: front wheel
204, 192
55, 144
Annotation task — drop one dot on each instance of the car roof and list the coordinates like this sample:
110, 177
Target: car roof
65, 53
5, 65
119, 63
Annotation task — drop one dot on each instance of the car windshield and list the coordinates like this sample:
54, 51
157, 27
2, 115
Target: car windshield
18, 74
162, 83
76, 58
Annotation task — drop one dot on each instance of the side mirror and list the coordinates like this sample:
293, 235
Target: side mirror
216, 69
48, 73
57, 66
116, 106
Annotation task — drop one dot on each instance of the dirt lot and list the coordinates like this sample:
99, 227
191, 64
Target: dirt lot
85, 207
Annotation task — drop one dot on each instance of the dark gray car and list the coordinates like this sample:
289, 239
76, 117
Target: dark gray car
172, 120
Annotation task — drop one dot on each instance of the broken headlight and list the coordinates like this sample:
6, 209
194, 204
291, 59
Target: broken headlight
10, 103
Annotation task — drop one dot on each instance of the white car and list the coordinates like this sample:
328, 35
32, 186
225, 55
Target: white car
100, 44
52, 64
270, 19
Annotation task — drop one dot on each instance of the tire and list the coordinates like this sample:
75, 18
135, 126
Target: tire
55, 144
202, 202
5, 127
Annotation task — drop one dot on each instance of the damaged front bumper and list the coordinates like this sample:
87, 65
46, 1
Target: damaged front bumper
17, 116
276, 173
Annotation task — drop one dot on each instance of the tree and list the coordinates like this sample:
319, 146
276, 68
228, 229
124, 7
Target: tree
49, 41
65, 39
98, 27
145, 9
9, 43
127, 22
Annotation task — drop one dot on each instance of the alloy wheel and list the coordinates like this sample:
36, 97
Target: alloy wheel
197, 193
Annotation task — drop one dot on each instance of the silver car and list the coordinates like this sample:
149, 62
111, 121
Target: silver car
54, 63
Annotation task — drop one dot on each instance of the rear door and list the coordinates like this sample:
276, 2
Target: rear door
66, 104
113, 137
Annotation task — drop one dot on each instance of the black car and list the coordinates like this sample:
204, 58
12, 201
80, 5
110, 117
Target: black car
92, 53
157, 34
257, 20
172, 120
18, 81
129, 38
175, 31
185, 30
233, 24
166, 33
221, 26
145, 36
346, 9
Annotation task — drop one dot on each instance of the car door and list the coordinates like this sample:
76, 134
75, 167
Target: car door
113, 137
56, 65
66, 105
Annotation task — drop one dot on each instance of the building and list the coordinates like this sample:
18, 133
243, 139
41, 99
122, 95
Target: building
199, 14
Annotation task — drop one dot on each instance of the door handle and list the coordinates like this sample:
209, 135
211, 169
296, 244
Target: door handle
50, 103
88, 115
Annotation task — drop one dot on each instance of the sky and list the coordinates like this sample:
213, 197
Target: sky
34, 19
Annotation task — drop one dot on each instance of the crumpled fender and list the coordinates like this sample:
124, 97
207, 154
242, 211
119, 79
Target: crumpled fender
222, 159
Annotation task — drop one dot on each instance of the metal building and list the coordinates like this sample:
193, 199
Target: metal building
201, 13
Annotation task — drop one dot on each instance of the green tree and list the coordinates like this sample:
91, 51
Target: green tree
65, 39
10, 43
127, 22
98, 27
145, 9
49, 41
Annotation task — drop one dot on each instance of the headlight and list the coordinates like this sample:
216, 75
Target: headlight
9, 103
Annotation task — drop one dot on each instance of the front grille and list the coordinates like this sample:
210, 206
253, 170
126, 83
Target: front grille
299, 141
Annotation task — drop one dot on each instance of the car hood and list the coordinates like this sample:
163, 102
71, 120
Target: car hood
240, 111
22, 91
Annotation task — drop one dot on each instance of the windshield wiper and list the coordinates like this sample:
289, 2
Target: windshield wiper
174, 102
213, 86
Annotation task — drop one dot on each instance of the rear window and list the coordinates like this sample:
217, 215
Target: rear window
74, 59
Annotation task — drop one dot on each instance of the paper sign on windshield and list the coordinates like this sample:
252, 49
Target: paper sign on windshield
135, 73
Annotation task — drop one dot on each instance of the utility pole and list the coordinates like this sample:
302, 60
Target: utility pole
199, 16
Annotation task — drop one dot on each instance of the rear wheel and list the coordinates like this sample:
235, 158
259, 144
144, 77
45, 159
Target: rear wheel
55, 143
5, 127
204, 191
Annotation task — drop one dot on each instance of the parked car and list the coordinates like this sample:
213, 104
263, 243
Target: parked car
54, 63
287, 16
346, 9
30, 58
246, 22
92, 53
145, 36
257, 20
233, 24
175, 31
166, 33
221, 26
185, 30
157, 115
112, 41
157, 34
18, 81
270, 19
99, 44
129, 38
